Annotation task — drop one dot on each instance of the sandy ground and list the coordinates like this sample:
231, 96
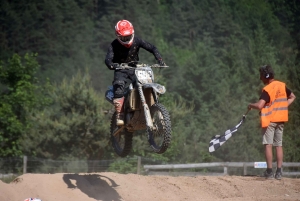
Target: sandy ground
132, 187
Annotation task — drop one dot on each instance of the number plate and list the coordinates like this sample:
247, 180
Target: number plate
144, 76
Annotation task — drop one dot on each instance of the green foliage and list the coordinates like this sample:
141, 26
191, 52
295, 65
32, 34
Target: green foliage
213, 48
9, 179
123, 166
21, 93
75, 124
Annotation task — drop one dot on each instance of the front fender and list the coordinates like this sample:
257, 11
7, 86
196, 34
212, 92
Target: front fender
156, 87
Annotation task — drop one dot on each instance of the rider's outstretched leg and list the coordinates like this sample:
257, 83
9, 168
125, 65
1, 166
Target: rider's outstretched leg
118, 103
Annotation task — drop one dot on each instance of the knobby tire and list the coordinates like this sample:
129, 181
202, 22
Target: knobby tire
163, 129
122, 142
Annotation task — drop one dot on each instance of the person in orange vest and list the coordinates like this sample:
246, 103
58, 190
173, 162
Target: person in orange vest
273, 105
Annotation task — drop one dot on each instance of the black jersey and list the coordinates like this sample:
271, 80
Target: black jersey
117, 53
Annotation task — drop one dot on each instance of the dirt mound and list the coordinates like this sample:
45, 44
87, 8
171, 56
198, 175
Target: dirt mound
130, 187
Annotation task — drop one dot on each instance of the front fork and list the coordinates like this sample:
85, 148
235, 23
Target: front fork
148, 118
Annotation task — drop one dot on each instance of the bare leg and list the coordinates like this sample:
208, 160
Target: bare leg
279, 156
269, 155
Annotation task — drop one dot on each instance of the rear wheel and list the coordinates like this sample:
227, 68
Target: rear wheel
122, 142
160, 137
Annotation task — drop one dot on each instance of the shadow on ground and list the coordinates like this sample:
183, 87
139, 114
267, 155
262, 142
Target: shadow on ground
94, 185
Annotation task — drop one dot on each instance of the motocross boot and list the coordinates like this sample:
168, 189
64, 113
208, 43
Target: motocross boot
118, 103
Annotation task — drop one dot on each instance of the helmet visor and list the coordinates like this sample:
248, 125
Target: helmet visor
125, 38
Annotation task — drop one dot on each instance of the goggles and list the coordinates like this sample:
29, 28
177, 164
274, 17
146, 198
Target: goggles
125, 38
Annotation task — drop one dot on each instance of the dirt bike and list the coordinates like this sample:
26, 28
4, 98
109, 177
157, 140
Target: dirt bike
142, 111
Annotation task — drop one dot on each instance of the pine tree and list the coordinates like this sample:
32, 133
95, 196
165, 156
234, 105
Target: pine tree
21, 94
75, 126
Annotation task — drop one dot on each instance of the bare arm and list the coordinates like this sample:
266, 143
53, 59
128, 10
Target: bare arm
258, 105
291, 98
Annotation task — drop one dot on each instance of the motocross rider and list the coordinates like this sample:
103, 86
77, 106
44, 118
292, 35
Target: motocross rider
125, 49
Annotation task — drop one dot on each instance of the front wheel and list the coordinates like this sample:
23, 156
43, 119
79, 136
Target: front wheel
122, 142
159, 137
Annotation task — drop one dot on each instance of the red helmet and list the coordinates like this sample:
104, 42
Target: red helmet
124, 33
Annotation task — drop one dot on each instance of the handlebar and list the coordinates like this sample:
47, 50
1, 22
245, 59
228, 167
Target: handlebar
125, 66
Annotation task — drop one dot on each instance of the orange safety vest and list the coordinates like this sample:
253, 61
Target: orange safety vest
277, 109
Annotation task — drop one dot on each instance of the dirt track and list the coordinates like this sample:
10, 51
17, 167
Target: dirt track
131, 187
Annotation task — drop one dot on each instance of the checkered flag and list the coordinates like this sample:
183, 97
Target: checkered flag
218, 140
